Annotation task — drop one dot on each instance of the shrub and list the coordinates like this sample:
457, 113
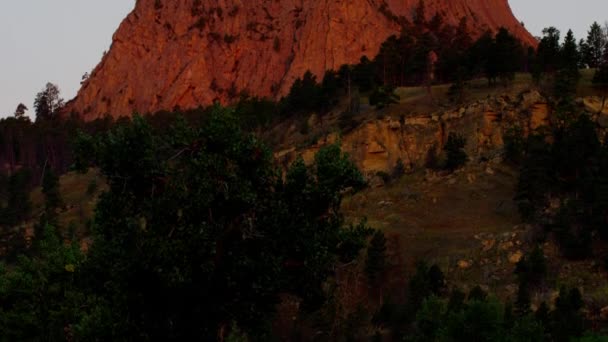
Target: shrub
454, 148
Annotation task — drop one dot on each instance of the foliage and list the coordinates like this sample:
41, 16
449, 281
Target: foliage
375, 264
201, 218
568, 75
600, 79
50, 190
473, 321
454, 149
382, 97
571, 174
39, 297
48, 102
18, 205
514, 144
20, 111
533, 268
595, 46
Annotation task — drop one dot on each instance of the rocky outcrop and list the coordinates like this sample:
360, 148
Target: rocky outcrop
187, 53
377, 145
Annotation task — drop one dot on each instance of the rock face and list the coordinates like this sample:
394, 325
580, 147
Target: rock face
187, 53
378, 145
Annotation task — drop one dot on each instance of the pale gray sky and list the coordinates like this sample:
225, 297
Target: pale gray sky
52, 41
577, 15
59, 40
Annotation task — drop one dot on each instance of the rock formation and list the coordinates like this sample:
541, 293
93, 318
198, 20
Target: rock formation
187, 53
377, 145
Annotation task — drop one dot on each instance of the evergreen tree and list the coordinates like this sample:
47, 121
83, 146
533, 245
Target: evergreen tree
454, 148
583, 49
600, 79
568, 74
18, 206
48, 102
52, 195
531, 269
375, 264
548, 53
507, 56
566, 320
535, 178
596, 45
477, 294
50, 189
20, 111
436, 280
383, 96
39, 298
522, 304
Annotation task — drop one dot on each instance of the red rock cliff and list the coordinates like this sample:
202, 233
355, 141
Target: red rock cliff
187, 53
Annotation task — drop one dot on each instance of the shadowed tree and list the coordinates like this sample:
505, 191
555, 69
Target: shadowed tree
600, 80
199, 229
568, 75
595, 46
48, 102
20, 111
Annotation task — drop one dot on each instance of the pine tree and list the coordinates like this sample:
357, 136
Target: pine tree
436, 280
596, 44
50, 189
507, 56
376, 257
18, 206
522, 304
567, 320
20, 111
548, 51
568, 74
454, 148
600, 79
48, 102
583, 49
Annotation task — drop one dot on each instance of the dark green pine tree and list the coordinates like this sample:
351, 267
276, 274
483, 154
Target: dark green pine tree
522, 303
600, 193
600, 79
567, 321
596, 45
542, 315
454, 148
18, 207
548, 52
436, 280
50, 190
535, 179
568, 74
507, 55
375, 264
583, 49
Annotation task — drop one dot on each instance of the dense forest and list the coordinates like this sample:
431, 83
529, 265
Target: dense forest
202, 236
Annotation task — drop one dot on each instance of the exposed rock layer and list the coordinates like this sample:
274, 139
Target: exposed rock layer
377, 145
187, 53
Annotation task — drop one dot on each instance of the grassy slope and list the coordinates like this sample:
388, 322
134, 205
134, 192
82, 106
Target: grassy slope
442, 219
79, 201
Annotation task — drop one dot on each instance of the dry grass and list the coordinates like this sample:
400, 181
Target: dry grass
439, 217
79, 201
